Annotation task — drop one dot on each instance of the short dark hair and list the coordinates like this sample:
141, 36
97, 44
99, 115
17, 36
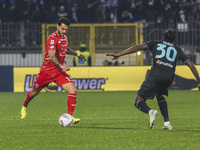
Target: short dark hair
64, 21
169, 36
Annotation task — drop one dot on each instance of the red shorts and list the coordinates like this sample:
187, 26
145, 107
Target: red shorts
45, 77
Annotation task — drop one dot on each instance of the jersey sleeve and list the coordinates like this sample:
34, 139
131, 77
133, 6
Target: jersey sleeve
51, 44
150, 45
183, 56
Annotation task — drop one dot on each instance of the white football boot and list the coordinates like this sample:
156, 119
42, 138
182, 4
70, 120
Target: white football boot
152, 117
167, 126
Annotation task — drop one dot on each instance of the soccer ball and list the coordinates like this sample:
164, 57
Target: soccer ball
66, 120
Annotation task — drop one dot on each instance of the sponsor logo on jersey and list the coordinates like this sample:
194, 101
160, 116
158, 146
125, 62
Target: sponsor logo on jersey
62, 39
52, 42
164, 64
51, 47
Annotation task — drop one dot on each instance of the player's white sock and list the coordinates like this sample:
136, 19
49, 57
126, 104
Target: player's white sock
166, 123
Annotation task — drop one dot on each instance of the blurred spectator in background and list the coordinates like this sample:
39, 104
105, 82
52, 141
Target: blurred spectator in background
174, 3
82, 6
100, 11
24, 19
182, 24
137, 10
198, 4
170, 16
6, 8
27, 8
107, 7
122, 5
8, 34
87, 10
100, 14
11, 14
2, 6
31, 7
167, 12
182, 13
188, 6
126, 16
74, 14
52, 16
193, 18
110, 10
92, 5
113, 12
151, 9
39, 15
62, 12
81, 63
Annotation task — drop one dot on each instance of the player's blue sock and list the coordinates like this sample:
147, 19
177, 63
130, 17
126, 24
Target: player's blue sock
162, 103
142, 106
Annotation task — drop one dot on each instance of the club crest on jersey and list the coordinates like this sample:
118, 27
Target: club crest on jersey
52, 42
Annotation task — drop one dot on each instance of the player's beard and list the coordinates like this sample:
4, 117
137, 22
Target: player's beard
60, 34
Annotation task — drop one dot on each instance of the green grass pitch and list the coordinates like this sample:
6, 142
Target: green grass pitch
109, 121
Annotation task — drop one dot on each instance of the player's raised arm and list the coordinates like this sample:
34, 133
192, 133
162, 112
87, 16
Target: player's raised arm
72, 52
130, 50
194, 71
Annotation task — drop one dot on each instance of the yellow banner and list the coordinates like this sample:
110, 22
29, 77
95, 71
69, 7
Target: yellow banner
122, 78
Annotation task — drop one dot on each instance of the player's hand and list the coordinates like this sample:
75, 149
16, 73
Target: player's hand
82, 57
115, 56
65, 67
199, 86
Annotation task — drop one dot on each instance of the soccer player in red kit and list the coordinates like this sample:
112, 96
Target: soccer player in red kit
53, 68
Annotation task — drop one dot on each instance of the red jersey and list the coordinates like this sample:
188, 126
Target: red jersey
58, 44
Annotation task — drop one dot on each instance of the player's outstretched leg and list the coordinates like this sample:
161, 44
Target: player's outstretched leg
25, 104
162, 103
71, 101
142, 106
30, 95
